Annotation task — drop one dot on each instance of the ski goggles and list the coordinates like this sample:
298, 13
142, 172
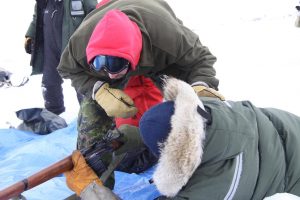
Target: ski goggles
111, 64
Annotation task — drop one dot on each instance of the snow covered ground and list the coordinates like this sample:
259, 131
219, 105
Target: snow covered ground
256, 43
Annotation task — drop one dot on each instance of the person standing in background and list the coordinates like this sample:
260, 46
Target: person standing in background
54, 21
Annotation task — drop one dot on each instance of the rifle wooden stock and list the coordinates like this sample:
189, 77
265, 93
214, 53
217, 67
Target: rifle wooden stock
42, 176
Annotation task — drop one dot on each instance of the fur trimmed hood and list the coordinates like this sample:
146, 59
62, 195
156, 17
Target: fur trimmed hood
182, 151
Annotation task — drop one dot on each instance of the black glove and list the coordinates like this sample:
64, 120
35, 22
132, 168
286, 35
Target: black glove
298, 8
28, 44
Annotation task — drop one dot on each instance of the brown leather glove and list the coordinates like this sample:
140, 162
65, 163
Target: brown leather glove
203, 91
81, 175
27, 44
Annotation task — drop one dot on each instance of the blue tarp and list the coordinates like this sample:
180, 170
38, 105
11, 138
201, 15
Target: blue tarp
24, 153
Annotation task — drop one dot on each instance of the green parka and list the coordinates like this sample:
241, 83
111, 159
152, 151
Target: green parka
249, 153
168, 47
35, 29
243, 153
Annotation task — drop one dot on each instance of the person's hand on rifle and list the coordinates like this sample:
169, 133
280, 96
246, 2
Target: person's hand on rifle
84, 181
81, 175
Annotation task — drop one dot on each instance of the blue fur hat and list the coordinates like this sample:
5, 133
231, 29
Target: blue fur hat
155, 125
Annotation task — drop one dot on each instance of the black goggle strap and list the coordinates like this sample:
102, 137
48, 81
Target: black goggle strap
206, 115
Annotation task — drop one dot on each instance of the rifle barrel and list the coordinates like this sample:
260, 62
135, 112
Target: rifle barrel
42, 176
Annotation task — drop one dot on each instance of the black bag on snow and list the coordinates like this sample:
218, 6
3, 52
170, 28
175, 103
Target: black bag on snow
40, 121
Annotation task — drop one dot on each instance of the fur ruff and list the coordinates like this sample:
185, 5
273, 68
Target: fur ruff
182, 151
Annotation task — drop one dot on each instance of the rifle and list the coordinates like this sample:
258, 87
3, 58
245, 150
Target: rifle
92, 155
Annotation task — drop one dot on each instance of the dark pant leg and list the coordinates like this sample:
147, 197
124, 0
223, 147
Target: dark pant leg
52, 87
53, 98
52, 82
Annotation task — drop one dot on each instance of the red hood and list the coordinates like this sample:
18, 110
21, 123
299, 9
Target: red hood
116, 35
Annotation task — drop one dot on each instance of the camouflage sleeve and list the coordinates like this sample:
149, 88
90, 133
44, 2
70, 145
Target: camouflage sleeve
93, 123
